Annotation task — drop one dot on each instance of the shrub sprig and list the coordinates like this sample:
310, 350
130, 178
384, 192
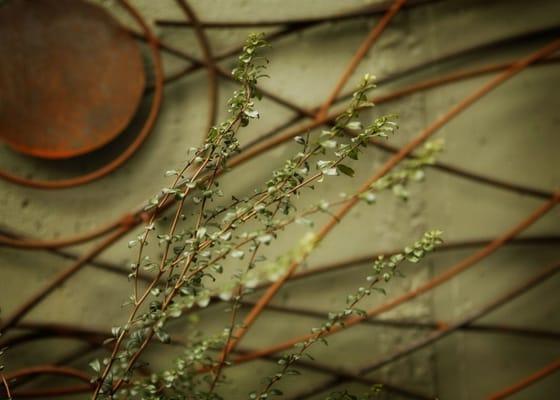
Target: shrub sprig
202, 237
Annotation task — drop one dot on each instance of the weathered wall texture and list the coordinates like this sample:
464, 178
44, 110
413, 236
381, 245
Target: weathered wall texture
511, 134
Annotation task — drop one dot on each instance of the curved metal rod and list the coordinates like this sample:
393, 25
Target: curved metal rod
209, 61
256, 148
53, 392
7, 238
21, 242
58, 279
49, 370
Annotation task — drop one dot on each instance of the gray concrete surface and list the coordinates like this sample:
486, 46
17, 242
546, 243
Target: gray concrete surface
511, 134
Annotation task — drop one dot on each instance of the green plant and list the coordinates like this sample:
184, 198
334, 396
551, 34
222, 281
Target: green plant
200, 237
3, 380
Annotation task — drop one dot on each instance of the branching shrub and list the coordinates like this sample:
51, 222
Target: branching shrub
200, 237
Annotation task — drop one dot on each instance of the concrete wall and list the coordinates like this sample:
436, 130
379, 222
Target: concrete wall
510, 134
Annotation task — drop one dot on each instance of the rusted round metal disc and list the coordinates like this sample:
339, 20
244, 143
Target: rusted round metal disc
70, 77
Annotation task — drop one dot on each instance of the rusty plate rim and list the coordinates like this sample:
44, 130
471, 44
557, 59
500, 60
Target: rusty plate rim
66, 154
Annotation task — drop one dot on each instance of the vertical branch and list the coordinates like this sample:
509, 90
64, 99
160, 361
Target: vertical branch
235, 307
6, 386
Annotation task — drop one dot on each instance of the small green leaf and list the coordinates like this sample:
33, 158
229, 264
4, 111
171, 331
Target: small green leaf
293, 372
265, 239
252, 113
163, 336
237, 254
354, 125
95, 365
346, 170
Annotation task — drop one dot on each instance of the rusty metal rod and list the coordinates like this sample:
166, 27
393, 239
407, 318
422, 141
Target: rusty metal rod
450, 273
391, 163
420, 325
135, 215
368, 11
208, 59
510, 295
527, 381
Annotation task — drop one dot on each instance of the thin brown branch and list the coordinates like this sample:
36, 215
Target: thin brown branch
7, 391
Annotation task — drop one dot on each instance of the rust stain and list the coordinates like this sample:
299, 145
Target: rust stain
71, 78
